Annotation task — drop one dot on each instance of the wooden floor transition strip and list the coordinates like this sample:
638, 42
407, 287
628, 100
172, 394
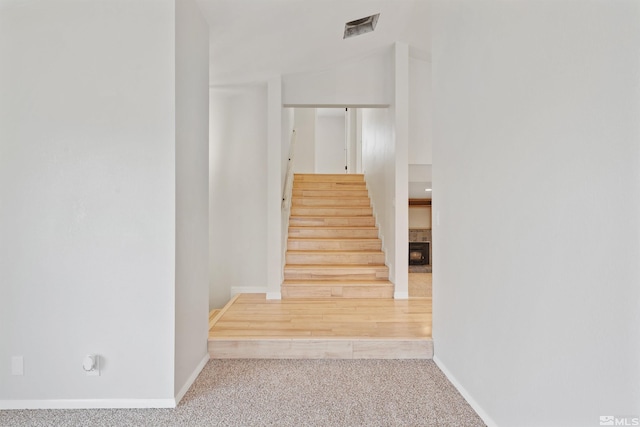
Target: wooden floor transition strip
220, 312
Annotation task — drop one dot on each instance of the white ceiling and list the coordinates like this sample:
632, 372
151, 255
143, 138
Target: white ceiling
252, 40
416, 190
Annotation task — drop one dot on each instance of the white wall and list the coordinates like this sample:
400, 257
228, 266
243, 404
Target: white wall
275, 182
192, 194
354, 152
419, 217
330, 144
237, 210
420, 111
378, 162
288, 126
400, 112
362, 81
536, 313
87, 189
305, 152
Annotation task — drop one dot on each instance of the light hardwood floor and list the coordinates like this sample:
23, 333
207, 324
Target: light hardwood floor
251, 326
420, 285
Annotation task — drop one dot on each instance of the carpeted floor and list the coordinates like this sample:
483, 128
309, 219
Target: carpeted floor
291, 393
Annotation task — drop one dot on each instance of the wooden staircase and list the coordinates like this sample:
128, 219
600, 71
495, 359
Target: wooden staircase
333, 249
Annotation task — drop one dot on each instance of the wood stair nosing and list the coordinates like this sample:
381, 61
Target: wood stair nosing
336, 272
329, 186
335, 282
298, 192
327, 244
320, 258
335, 233
335, 221
382, 290
328, 177
331, 211
327, 202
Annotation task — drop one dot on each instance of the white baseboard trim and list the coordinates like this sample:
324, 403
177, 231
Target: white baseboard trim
106, 403
235, 290
401, 295
87, 403
191, 379
274, 295
472, 402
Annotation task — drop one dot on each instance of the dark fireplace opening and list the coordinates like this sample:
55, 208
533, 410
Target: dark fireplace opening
419, 253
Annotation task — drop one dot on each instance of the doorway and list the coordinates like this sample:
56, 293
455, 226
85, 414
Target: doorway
327, 140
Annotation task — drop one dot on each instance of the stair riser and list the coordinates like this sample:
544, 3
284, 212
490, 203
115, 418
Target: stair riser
365, 221
328, 178
293, 273
315, 211
344, 202
384, 291
335, 259
329, 186
335, 245
333, 233
330, 193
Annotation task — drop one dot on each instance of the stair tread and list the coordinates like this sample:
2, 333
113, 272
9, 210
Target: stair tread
338, 227
333, 239
329, 198
329, 266
323, 252
297, 204
334, 282
327, 174
320, 218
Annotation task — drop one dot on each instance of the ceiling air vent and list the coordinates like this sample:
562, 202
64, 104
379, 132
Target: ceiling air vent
360, 26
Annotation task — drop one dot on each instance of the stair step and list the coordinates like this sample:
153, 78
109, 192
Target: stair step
331, 211
333, 257
331, 201
336, 272
329, 186
339, 221
337, 289
316, 177
334, 232
334, 244
298, 192
333, 249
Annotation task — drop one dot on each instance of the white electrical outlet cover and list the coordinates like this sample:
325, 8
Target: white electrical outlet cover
91, 365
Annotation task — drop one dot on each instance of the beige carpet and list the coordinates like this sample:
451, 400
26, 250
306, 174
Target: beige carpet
296, 393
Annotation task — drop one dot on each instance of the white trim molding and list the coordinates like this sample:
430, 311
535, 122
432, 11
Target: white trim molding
194, 375
235, 290
401, 295
472, 402
274, 295
87, 403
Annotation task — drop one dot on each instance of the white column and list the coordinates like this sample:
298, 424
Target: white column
401, 121
274, 187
